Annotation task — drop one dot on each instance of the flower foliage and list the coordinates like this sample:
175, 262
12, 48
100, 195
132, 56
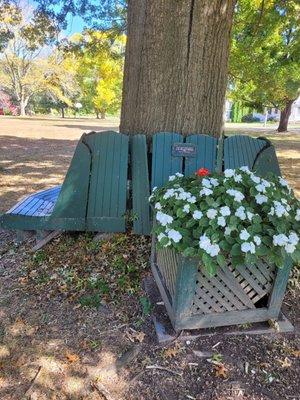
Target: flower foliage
236, 215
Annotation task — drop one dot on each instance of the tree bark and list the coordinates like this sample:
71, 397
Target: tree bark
284, 116
175, 73
23, 105
62, 112
102, 114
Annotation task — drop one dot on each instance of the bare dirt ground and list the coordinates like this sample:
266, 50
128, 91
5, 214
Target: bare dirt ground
75, 323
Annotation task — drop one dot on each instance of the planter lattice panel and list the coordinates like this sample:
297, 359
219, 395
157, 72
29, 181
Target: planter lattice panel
232, 288
194, 299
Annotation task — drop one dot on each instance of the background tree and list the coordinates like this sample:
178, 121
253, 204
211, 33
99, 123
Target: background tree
98, 57
20, 75
176, 62
265, 55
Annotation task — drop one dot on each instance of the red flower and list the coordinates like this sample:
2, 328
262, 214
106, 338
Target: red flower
202, 172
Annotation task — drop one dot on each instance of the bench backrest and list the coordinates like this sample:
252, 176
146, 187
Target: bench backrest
95, 186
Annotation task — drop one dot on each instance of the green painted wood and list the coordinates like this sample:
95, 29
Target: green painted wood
242, 151
279, 288
23, 222
206, 154
140, 185
108, 182
267, 162
185, 286
220, 155
223, 319
159, 281
163, 163
72, 200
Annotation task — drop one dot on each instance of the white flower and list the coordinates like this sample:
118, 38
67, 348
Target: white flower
153, 190
211, 213
197, 214
240, 213
290, 248
229, 173
250, 215
186, 208
293, 238
157, 206
191, 199
297, 217
280, 210
266, 183
227, 231
261, 198
213, 250
238, 178
214, 182
237, 195
245, 169
280, 240
244, 235
205, 192
164, 219
204, 242
206, 183
169, 193
254, 178
221, 221
257, 240
184, 195
248, 247
260, 188
172, 178
283, 182
225, 211
179, 175
174, 235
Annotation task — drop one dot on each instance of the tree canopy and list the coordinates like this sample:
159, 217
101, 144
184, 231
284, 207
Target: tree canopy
265, 53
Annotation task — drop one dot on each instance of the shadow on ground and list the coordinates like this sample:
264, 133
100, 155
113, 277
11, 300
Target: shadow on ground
29, 165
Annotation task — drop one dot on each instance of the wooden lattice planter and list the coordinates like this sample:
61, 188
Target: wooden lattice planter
233, 296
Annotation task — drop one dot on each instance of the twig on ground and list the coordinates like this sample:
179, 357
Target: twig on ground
32, 381
163, 369
101, 389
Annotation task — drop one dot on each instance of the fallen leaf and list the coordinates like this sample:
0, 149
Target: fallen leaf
221, 371
71, 357
172, 351
286, 363
295, 353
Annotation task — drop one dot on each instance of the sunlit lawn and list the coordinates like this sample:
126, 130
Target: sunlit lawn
35, 152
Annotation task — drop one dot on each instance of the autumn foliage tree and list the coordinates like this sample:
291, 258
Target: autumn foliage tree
98, 57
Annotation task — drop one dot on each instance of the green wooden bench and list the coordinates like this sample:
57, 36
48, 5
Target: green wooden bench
92, 196
193, 298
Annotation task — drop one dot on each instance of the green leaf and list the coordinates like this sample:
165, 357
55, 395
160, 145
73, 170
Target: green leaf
236, 250
221, 260
224, 245
189, 252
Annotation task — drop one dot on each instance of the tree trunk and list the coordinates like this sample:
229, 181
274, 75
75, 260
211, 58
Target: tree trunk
102, 114
175, 72
62, 112
23, 105
97, 114
284, 116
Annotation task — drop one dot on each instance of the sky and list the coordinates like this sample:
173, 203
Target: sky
75, 24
